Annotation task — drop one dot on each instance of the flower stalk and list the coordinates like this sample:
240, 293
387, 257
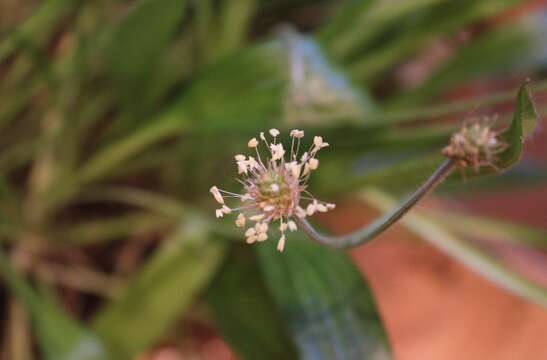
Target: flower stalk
377, 227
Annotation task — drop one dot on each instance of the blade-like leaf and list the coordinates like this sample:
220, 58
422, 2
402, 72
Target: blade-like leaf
407, 173
482, 227
506, 47
60, 337
135, 44
329, 308
160, 292
245, 312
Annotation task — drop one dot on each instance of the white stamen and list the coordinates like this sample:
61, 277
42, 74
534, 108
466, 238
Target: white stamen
299, 134
274, 132
217, 195
292, 225
281, 243
314, 163
250, 232
240, 221
252, 143
257, 217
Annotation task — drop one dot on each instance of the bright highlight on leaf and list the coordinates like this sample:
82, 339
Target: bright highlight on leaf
274, 189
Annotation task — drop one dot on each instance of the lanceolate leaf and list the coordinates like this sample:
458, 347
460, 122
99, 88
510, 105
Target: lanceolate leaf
136, 44
245, 312
59, 337
329, 308
160, 292
409, 172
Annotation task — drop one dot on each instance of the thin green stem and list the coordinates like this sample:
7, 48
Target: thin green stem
377, 227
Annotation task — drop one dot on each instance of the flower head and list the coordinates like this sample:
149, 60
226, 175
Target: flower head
476, 145
274, 190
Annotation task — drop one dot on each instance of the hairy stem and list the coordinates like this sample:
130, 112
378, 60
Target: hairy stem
377, 227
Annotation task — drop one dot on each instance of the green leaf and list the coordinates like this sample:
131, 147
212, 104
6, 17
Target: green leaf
444, 19
161, 292
415, 167
284, 81
496, 51
245, 312
330, 310
59, 337
483, 227
362, 22
465, 251
524, 123
136, 44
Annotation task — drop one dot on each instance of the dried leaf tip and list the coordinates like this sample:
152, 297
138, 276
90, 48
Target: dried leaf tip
476, 144
274, 189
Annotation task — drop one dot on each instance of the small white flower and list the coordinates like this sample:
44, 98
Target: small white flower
275, 188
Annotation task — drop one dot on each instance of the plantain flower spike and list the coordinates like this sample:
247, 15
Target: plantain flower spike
476, 144
274, 188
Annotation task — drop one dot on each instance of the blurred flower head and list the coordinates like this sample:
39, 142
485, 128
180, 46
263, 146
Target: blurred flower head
274, 188
476, 144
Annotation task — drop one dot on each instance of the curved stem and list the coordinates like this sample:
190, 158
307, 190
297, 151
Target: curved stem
377, 227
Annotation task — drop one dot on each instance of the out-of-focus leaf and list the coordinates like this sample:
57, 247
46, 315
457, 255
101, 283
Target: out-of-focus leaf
234, 23
244, 311
286, 78
482, 227
60, 337
408, 173
495, 51
160, 292
136, 44
524, 123
443, 19
465, 251
38, 28
329, 308
113, 227
359, 24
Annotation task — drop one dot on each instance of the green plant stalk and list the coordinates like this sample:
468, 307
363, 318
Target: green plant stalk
371, 231
38, 27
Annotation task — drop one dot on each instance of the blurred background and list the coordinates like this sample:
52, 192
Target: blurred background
117, 116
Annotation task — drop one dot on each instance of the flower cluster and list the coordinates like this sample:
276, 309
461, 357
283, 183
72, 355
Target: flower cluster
475, 145
274, 189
